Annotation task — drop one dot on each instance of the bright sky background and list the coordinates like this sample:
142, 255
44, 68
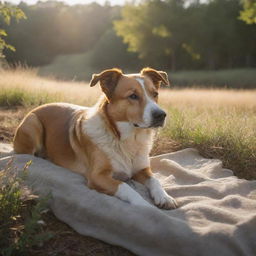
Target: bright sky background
71, 2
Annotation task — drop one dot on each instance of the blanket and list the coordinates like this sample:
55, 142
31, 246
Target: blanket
216, 213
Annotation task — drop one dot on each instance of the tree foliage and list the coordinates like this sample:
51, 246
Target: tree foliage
54, 28
169, 34
249, 13
6, 13
109, 51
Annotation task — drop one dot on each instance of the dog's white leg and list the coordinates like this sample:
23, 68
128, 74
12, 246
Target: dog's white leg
160, 197
126, 193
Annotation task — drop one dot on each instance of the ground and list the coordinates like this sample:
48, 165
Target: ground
67, 242
9, 119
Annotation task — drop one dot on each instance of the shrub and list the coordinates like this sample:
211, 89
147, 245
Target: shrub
20, 214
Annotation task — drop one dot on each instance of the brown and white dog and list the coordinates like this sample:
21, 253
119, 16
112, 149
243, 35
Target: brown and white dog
108, 143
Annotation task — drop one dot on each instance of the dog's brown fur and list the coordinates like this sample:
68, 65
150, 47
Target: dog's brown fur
57, 131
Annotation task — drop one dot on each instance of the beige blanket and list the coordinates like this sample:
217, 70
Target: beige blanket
217, 213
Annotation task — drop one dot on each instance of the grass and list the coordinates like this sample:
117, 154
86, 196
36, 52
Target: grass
78, 67
20, 220
71, 67
220, 123
230, 78
25, 88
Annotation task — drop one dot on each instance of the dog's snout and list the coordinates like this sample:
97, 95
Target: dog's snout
159, 115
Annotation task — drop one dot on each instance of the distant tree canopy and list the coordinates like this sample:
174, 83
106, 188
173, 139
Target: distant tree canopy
170, 34
199, 36
53, 28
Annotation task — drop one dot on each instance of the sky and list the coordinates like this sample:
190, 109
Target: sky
71, 2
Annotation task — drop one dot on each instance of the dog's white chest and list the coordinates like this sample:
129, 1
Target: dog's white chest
122, 156
127, 155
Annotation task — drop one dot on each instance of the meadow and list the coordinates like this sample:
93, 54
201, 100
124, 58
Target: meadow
220, 123
78, 67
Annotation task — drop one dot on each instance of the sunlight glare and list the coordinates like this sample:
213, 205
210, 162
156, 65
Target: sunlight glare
70, 2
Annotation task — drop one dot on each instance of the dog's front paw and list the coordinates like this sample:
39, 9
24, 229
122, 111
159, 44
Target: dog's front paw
164, 201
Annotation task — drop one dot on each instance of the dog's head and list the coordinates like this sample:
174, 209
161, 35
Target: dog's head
133, 97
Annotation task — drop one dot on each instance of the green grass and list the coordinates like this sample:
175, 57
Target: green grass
226, 135
20, 97
77, 67
232, 78
70, 67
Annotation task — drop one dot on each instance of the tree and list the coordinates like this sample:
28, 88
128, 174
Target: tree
165, 34
171, 34
6, 13
157, 30
55, 28
110, 52
249, 13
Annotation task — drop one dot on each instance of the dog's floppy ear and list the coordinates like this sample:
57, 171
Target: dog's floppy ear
108, 80
156, 76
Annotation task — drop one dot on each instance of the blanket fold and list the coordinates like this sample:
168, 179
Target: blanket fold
216, 214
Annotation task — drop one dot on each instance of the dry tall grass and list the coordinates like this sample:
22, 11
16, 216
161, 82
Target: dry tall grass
220, 123
26, 88
78, 92
245, 99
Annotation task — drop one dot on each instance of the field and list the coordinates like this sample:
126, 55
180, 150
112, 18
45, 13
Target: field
77, 66
220, 123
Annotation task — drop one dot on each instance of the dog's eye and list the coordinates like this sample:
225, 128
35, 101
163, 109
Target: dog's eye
155, 94
134, 96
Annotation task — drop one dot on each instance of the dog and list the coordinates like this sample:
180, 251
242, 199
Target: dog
108, 143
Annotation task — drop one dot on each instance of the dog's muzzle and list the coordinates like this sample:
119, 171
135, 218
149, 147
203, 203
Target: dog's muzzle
158, 118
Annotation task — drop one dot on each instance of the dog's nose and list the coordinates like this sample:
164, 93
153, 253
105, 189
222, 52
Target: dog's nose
158, 115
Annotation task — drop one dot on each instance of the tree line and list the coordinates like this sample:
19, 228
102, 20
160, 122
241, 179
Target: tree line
169, 34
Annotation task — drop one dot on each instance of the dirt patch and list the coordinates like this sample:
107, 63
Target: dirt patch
9, 120
163, 145
5, 134
68, 242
